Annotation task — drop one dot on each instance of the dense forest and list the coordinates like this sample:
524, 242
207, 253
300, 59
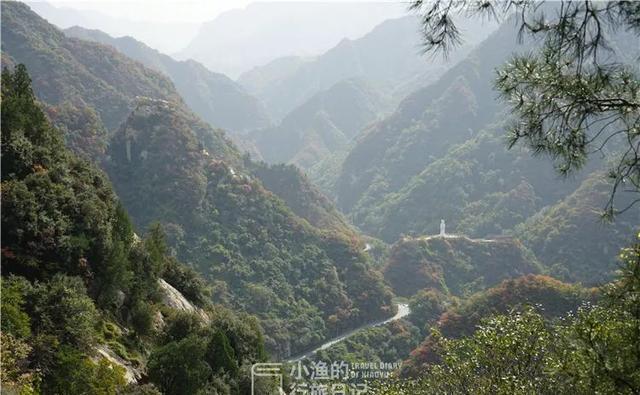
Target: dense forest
81, 289
166, 227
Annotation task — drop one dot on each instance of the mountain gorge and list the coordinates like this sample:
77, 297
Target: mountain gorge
261, 257
167, 165
442, 154
321, 126
166, 227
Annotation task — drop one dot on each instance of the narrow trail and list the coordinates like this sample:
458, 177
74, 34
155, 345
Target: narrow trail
403, 311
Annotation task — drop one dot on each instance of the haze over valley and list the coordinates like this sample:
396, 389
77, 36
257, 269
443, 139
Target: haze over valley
196, 192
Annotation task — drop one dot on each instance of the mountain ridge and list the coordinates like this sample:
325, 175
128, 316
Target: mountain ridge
213, 96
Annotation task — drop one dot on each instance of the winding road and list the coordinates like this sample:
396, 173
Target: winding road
403, 311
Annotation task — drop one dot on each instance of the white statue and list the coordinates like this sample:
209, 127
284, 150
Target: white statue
442, 227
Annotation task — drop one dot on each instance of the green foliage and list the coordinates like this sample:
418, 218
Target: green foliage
595, 350
141, 319
426, 307
506, 355
75, 277
14, 374
577, 92
26, 139
74, 373
227, 347
15, 320
179, 367
220, 354
61, 308
264, 259
455, 265
181, 325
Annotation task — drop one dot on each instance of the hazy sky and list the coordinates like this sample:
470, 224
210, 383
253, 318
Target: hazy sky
171, 10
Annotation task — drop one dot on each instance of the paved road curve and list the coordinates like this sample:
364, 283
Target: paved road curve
403, 311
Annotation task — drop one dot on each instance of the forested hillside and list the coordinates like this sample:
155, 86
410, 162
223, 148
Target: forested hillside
459, 194
552, 297
455, 265
213, 96
76, 72
301, 196
424, 127
83, 305
169, 166
442, 154
303, 282
322, 125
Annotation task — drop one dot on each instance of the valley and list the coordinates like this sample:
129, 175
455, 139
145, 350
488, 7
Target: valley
313, 184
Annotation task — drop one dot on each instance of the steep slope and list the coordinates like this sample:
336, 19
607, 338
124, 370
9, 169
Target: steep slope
82, 73
302, 282
301, 196
388, 57
82, 309
320, 126
213, 96
425, 126
240, 39
455, 265
572, 239
479, 187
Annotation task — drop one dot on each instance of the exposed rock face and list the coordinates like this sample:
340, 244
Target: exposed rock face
171, 297
131, 374
174, 299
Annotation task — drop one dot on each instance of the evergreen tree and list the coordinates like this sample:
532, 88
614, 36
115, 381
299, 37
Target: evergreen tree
574, 96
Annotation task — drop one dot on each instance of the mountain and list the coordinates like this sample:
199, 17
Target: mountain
442, 155
425, 126
388, 57
240, 39
321, 125
167, 37
81, 79
301, 196
302, 281
573, 240
455, 265
213, 96
87, 306
514, 186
